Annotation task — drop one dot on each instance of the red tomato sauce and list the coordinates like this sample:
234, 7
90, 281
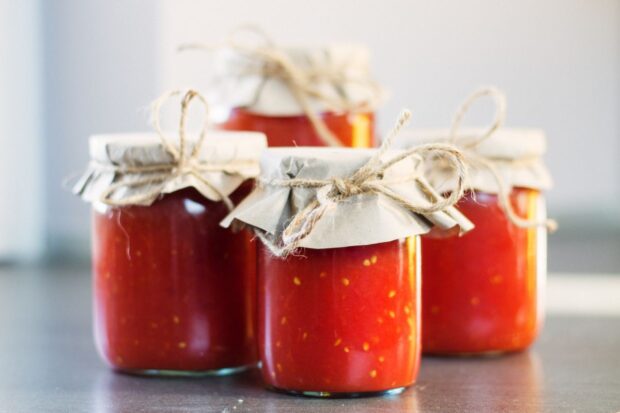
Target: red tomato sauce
340, 321
354, 130
172, 289
480, 290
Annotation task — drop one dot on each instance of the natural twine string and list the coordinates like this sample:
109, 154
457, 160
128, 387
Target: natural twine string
302, 82
368, 179
182, 163
491, 165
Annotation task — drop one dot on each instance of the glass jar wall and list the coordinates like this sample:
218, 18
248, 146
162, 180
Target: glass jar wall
482, 292
340, 321
352, 129
174, 293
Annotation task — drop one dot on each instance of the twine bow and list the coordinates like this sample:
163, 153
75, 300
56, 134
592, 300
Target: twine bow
302, 82
182, 163
368, 179
468, 147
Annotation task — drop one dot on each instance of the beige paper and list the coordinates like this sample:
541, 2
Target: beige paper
338, 73
225, 160
516, 155
358, 220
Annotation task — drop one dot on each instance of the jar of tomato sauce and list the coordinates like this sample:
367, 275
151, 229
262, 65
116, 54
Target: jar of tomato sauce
338, 272
174, 293
322, 96
483, 291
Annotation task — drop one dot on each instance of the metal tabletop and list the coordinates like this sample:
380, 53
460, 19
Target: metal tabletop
48, 364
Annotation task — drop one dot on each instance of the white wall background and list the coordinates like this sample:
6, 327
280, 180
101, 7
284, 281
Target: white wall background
21, 197
558, 61
101, 70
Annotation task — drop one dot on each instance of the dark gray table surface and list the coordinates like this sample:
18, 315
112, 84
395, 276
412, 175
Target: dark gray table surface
48, 364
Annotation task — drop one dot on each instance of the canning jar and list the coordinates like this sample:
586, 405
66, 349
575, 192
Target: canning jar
338, 271
297, 96
174, 293
483, 291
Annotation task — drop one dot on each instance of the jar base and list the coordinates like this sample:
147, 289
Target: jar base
339, 395
226, 371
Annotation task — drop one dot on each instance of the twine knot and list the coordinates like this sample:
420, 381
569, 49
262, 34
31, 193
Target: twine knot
186, 167
342, 188
183, 163
368, 179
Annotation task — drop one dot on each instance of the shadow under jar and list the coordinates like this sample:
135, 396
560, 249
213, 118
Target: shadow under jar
338, 310
252, 92
174, 292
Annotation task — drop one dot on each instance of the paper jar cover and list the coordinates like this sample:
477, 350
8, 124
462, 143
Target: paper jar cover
233, 155
362, 219
516, 155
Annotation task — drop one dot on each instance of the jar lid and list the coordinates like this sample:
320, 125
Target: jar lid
137, 168
289, 81
499, 158
319, 191
137, 149
505, 143
515, 155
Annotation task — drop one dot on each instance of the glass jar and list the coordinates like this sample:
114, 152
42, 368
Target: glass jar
352, 129
340, 321
483, 291
174, 293
297, 96
339, 267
